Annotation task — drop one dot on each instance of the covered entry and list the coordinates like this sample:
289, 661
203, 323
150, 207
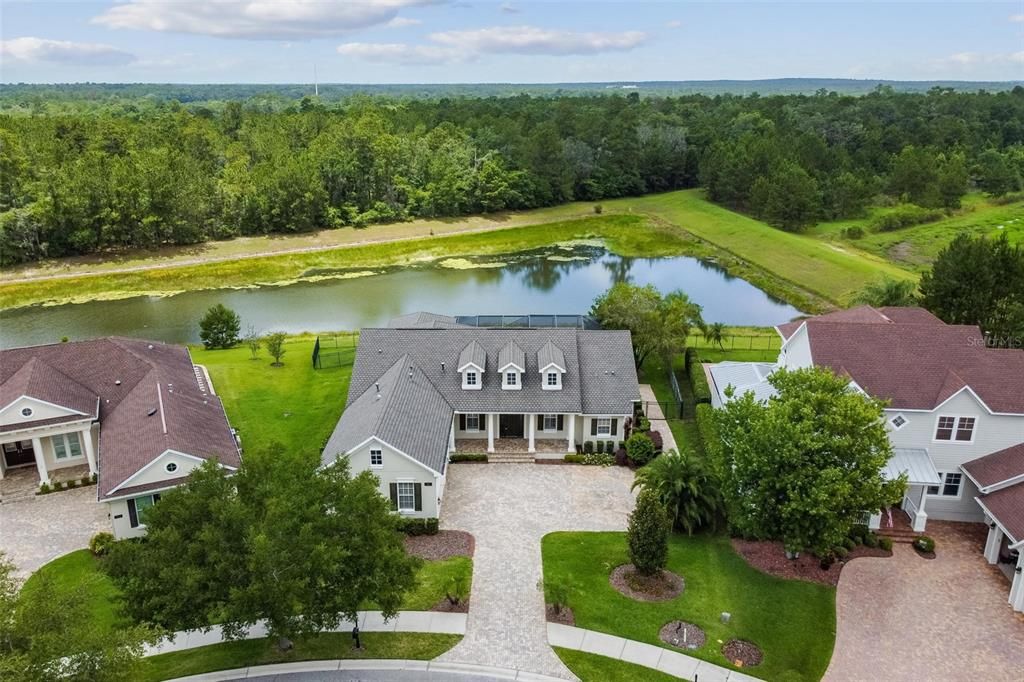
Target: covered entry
510, 426
917, 465
18, 454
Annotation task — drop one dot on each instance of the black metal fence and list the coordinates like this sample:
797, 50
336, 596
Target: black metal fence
334, 351
529, 321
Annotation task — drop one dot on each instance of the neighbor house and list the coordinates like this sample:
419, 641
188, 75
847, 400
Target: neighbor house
137, 415
955, 412
426, 387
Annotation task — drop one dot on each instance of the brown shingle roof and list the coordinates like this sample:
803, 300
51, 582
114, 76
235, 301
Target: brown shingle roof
1007, 506
36, 379
124, 373
997, 467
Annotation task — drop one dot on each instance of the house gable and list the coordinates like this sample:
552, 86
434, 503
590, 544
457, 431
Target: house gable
359, 457
25, 410
167, 466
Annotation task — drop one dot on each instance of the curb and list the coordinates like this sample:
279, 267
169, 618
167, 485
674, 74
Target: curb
367, 664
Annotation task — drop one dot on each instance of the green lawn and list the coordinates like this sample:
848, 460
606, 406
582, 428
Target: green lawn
433, 579
594, 668
80, 573
294, 405
792, 621
231, 655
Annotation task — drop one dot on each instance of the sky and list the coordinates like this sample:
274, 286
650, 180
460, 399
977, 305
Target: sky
459, 41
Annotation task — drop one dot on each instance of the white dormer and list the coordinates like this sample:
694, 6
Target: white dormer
511, 365
551, 365
472, 365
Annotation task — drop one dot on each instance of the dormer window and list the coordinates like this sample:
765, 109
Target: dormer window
511, 379
511, 364
553, 380
471, 378
551, 364
472, 363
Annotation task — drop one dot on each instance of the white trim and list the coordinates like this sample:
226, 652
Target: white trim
471, 364
512, 364
389, 445
942, 485
183, 479
380, 452
398, 495
153, 462
900, 416
552, 364
998, 485
41, 427
1016, 543
956, 427
25, 396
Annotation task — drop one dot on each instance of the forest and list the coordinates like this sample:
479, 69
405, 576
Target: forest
83, 176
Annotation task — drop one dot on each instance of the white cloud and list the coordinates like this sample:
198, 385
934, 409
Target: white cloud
402, 22
30, 49
675, 23
968, 61
254, 19
400, 53
509, 8
1017, 18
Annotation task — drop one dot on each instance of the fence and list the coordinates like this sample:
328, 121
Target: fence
334, 351
765, 346
529, 321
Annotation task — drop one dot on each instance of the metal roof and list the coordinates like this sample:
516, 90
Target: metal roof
550, 354
915, 462
473, 354
511, 354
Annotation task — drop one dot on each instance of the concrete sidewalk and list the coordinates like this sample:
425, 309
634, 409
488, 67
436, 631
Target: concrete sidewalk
395, 669
657, 417
647, 655
434, 622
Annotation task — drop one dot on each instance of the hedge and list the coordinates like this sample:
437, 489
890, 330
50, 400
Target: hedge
418, 526
707, 428
698, 381
468, 457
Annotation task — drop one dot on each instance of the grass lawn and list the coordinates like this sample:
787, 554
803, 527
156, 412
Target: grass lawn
792, 621
231, 655
594, 668
79, 572
294, 405
433, 579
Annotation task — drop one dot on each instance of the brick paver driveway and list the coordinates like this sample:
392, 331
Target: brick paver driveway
508, 508
42, 528
907, 618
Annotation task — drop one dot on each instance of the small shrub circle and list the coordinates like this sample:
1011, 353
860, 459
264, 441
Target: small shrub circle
682, 635
661, 586
742, 654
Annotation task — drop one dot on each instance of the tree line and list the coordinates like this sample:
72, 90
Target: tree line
103, 175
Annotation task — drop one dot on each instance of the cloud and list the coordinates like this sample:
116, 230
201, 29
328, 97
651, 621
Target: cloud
30, 49
254, 19
1017, 18
675, 23
400, 53
968, 61
402, 22
509, 8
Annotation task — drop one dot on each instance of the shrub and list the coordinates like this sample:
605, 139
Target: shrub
905, 215
885, 543
707, 428
609, 446
44, 488
219, 327
556, 594
588, 447
58, 485
456, 589
925, 544
639, 449
604, 460
642, 423
600, 447
73, 483
841, 552
854, 232
598, 209
871, 540
647, 534
690, 358
699, 382
468, 457
857, 532
574, 459
657, 440
621, 458
418, 526
849, 543
86, 480
93, 478
101, 543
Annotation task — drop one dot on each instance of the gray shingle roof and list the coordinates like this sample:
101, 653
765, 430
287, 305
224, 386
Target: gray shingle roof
550, 354
473, 354
511, 354
424, 320
403, 409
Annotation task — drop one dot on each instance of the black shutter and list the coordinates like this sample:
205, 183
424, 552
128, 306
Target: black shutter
540, 422
615, 427
483, 422
561, 423
419, 496
394, 496
593, 427
462, 422
133, 514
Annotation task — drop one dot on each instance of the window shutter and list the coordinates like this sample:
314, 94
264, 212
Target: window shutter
540, 422
133, 514
593, 426
615, 423
393, 488
462, 422
483, 421
561, 423
419, 496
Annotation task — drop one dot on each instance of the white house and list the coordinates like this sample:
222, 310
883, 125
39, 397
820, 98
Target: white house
426, 387
136, 414
955, 411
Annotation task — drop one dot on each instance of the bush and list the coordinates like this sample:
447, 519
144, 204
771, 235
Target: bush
457, 588
639, 449
603, 460
642, 423
418, 526
73, 483
101, 543
871, 540
885, 543
924, 544
609, 447
858, 532
699, 382
556, 594
840, 552
588, 447
854, 232
467, 457
58, 485
621, 458
849, 543
905, 216
707, 428
690, 358
598, 209
86, 480
219, 327
647, 534
600, 447
44, 488
657, 440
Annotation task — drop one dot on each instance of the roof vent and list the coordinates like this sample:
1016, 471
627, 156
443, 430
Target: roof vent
442, 367
377, 387
151, 412
380, 350
150, 346
117, 382
410, 371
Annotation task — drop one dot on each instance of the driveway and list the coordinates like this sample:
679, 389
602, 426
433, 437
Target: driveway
41, 528
508, 508
917, 619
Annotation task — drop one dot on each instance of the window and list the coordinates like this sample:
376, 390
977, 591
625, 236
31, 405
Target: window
472, 422
959, 429
551, 422
171, 467
66, 446
137, 509
471, 378
604, 427
898, 422
26, 412
965, 429
944, 431
406, 497
950, 486
511, 378
552, 378
376, 459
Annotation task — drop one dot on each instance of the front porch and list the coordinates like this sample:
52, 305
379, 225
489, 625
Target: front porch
23, 483
48, 454
512, 446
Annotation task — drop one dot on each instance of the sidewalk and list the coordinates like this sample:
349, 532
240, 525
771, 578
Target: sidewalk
434, 622
394, 666
647, 655
657, 418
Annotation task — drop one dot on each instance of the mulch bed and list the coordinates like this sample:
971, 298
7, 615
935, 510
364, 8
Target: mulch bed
682, 635
660, 587
770, 557
444, 545
923, 555
447, 607
564, 615
742, 653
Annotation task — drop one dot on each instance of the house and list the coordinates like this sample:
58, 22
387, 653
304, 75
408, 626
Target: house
955, 413
425, 387
136, 414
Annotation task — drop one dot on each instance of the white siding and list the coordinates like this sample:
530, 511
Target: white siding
50, 458
121, 522
480, 433
398, 467
157, 470
797, 351
11, 415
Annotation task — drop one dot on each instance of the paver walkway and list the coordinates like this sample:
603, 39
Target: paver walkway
508, 508
917, 619
658, 658
657, 417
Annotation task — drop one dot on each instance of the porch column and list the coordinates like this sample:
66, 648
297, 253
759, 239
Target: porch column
90, 453
490, 432
530, 429
993, 542
572, 432
451, 435
37, 449
1017, 588
921, 518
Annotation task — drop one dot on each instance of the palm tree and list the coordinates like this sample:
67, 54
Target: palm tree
686, 488
715, 333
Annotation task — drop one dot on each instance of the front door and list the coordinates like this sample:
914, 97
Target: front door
19, 453
510, 426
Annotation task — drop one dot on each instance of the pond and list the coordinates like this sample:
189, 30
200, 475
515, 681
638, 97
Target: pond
558, 280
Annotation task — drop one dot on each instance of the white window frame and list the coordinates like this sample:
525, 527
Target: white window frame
604, 426
942, 486
956, 427
380, 455
65, 441
554, 422
153, 498
897, 427
959, 423
515, 384
411, 494
475, 419
469, 379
